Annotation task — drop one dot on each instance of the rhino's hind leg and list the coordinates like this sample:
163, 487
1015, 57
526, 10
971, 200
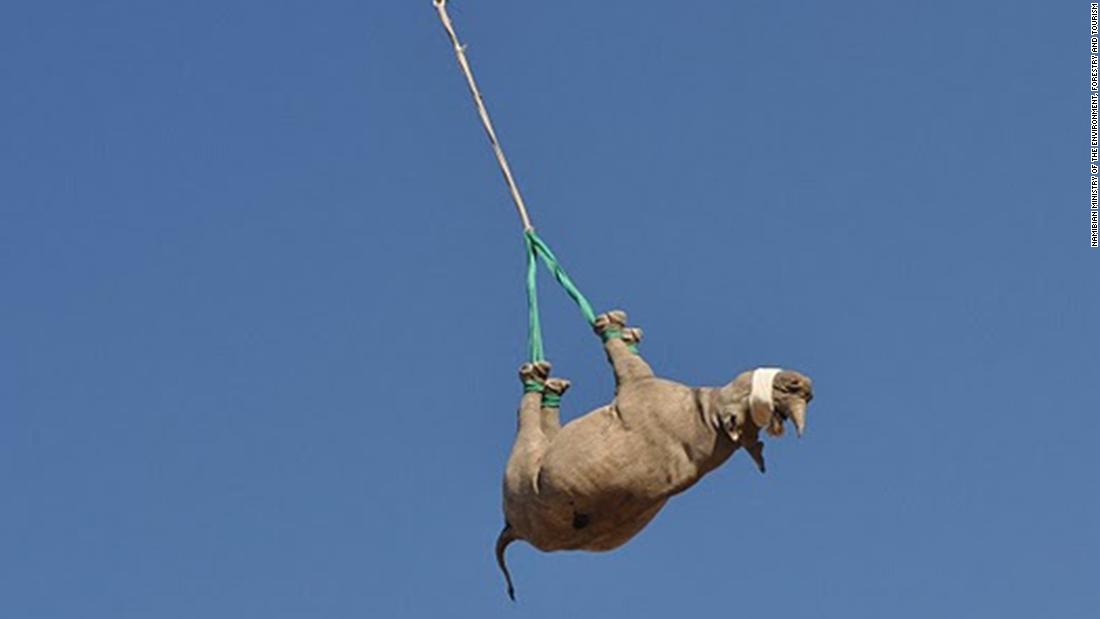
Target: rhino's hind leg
534, 377
531, 441
620, 343
550, 416
521, 474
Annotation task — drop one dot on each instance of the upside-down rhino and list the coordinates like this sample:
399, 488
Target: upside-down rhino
594, 483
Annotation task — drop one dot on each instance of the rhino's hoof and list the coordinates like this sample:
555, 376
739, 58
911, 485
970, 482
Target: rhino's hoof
615, 319
632, 335
537, 372
557, 385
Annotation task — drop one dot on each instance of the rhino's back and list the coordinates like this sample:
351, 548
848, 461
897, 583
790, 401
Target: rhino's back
597, 528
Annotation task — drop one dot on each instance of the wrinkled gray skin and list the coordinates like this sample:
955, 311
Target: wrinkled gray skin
596, 482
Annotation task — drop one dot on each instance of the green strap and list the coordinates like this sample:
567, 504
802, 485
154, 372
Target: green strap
617, 334
537, 248
552, 263
531, 386
551, 400
534, 329
612, 334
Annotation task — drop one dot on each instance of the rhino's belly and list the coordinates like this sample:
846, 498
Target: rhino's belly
595, 459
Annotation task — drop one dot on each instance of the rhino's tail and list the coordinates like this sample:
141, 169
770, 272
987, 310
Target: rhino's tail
506, 537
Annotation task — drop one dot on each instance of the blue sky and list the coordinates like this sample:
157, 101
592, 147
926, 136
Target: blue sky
263, 301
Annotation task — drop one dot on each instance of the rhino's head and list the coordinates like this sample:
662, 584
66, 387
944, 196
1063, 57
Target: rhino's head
763, 399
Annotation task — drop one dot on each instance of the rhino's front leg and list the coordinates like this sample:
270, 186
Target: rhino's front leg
620, 343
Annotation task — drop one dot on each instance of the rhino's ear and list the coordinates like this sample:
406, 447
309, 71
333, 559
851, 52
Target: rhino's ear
756, 450
761, 398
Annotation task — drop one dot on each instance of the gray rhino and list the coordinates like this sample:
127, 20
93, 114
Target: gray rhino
596, 482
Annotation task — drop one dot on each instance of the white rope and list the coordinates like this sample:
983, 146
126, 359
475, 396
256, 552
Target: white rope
460, 52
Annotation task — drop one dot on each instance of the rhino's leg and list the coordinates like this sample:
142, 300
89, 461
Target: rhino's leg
531, 442
550, 416
620, 343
